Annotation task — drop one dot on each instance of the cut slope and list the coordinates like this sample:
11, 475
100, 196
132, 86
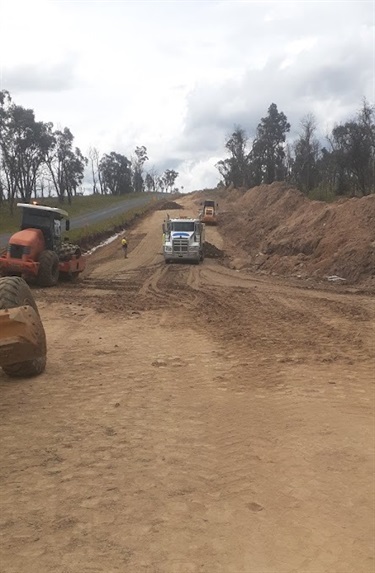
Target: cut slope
279, 230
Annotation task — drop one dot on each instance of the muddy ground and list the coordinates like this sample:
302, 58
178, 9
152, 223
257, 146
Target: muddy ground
192, 419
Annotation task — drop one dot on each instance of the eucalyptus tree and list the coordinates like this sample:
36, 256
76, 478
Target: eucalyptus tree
305, 174
267, 156
169, 177
116, 173
353, 149
66, 164
137, 168
235, 168
24, 144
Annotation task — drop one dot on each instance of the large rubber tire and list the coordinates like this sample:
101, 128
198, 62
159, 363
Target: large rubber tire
48, 274
15, 292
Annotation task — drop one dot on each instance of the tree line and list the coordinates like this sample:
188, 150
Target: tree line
345, 166
37, 160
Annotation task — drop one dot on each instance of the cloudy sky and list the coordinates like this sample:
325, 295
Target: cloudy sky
176, 76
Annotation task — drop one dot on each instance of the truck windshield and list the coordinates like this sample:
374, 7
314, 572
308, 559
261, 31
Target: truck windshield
183, 226
35, 220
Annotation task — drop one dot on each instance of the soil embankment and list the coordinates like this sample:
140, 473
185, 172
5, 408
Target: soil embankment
275, 229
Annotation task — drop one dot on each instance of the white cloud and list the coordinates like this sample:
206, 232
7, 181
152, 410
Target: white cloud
176, 75
32, 33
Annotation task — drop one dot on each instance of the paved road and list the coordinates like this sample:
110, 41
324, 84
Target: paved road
95, 216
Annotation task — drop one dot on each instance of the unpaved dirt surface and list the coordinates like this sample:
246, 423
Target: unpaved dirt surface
191, 419
276, 229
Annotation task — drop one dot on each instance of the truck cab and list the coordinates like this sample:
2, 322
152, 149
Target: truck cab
183, 239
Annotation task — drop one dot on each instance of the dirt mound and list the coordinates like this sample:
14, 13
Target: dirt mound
279, 230
212, 252
170, 205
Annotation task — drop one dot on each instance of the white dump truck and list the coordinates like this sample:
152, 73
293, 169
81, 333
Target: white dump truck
183, 239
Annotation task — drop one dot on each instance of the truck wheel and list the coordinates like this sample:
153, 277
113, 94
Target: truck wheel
15, 292
48, 274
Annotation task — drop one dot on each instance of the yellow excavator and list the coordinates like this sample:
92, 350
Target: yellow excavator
23, 346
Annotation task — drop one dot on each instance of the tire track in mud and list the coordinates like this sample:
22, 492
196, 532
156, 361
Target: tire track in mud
175, 286
248, 314
145, 288
194, 278
294, 324
150, 288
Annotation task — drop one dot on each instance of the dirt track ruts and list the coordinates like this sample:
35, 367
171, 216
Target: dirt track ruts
191, 419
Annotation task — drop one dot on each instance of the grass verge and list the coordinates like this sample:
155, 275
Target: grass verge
10, 223
92, 235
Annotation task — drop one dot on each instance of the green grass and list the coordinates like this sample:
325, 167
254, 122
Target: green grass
322, 194
80, 205
107, 227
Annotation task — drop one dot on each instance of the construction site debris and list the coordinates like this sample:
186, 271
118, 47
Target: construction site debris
170, 205
212, 252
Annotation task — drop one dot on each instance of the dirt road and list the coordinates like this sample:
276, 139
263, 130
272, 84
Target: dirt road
191, 420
